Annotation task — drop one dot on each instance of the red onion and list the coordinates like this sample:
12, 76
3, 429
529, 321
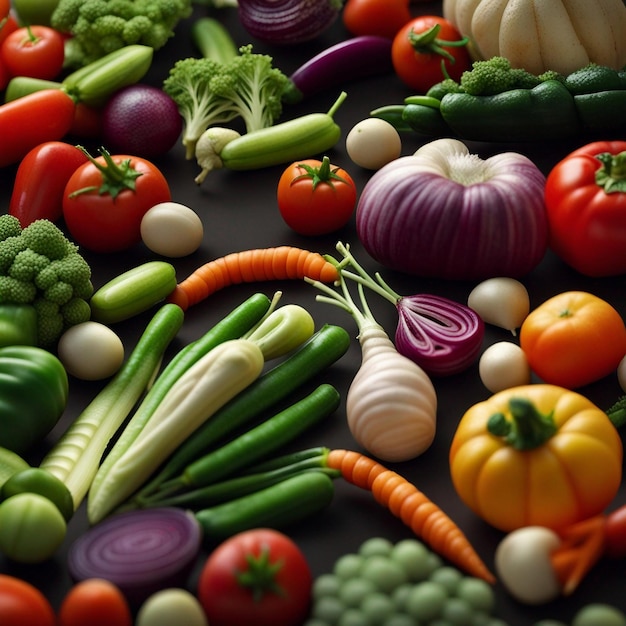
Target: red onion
139, 551
442, 336
287, 21
446, 213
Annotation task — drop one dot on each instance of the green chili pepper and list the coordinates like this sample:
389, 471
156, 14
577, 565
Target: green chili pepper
33, 395
18, 325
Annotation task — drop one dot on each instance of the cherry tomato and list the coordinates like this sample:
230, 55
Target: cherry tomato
9, 26
256, 577
34, 51
573, 339
22, 604
422, 45
51, 164
96, 602
376, 17
315, 197
106, 198
5, 7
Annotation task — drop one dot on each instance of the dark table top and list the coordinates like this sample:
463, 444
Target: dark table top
239, 212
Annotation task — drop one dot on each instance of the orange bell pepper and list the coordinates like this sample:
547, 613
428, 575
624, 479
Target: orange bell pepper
536, 455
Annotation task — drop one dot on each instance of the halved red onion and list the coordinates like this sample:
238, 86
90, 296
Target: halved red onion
442, 336
140, 551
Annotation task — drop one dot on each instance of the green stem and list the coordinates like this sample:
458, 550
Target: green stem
427, 42
611, 176
617, 412
527, 429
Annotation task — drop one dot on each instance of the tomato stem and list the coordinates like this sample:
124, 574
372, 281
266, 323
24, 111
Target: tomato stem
427, 42
527, 429
260, 577
611, 176
321, 174
115, 177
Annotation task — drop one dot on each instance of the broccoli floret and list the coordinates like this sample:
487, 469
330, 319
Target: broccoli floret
99, 27
253, 86
188, 84
440, 89
40, 266
209, 93
494, 76
9, 226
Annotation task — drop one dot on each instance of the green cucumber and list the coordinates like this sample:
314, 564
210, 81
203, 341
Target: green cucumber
133, 292
94, 83
213, 40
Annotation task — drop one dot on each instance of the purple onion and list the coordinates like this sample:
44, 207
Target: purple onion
287, 21
445, 213
139, 551
442, 336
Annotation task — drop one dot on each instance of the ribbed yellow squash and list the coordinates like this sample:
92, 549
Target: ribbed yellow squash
540, 35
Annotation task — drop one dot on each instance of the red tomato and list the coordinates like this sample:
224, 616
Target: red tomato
586, 207
51, 164
22, 604
35, 51
421, 46
5, 77
105, 199
376, 17
7, 27
256, 577
96, 602
315, 197
87, 121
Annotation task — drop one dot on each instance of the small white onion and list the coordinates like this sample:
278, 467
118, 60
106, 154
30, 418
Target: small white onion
90, 351
171, 229
504, 365
171, 606
372, 143
501, 301
522, 561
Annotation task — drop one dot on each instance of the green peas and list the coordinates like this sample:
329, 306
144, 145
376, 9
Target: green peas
426, 601
594, 614
348, 566
354, 591
478, 593
386, 574
31, 528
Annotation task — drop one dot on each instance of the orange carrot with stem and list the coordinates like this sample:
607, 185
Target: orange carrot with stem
418, 512
247, 266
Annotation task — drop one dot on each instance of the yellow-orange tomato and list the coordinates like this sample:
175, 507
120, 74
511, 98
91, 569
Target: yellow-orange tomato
573, 339
536, 455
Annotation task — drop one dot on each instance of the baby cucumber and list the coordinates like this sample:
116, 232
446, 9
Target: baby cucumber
288, 141
95, 82
284, 503
133, 292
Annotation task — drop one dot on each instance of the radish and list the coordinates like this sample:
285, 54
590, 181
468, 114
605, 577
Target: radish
141, 120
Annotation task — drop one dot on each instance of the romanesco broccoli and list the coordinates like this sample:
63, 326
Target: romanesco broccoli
103, 26
41, 267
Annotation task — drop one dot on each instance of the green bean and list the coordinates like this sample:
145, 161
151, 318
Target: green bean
288, 501
325, 347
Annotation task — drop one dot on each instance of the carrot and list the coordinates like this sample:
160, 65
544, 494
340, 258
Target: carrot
405, 501
247, 266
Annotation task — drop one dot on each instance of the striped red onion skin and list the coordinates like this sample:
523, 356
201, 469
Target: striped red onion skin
140, 551
287, 21
442, 336
413, 217
391, 405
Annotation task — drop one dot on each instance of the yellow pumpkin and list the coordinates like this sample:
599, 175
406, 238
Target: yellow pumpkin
540, 35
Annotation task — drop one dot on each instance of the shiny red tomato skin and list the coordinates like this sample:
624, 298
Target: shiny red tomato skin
383, 18
37, 52
313, 211
227, 603
51, 164
100, 223
587, 226
421, 70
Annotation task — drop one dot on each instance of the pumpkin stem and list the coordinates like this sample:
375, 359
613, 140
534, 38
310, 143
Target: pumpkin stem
527, 429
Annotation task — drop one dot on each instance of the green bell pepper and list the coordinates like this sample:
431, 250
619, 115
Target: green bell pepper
18, 325
34, 390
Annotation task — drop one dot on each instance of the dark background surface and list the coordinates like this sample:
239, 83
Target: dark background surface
239, 212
